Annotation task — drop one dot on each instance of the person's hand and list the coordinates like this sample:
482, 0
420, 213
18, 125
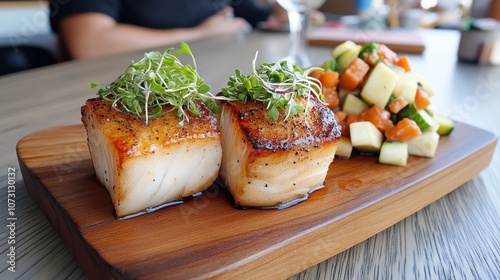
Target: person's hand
224, 22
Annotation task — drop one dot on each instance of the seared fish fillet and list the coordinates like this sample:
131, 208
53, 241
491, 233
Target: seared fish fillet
145, 166
267, 163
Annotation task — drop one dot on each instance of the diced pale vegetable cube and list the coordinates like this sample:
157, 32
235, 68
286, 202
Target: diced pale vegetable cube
425, 121
429, 111
342, 48
434, 127
398, 70
379, 86
424, 145
365, 137
394, 153
419, 80
344, 148
353, 105
445, 125
346, 58
406, 87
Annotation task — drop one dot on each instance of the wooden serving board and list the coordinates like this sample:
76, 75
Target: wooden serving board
207, 237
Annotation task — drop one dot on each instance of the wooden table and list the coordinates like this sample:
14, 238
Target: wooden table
456, 237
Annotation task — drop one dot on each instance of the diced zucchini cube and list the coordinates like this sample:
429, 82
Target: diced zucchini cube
346, 58
379, 86
434, 126
330, 65
424, 145
353, 105
342, 48
429, 111
344, 148
394, 153
424, 121
365, 137
445, 125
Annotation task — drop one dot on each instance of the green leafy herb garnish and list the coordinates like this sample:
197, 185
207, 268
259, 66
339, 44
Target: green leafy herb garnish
276, 85
159, 79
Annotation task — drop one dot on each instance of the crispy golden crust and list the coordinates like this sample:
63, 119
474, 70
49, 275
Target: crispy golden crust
314, 129
267, 163
130, 135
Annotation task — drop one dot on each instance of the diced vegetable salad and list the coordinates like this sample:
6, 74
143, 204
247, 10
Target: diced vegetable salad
381, 105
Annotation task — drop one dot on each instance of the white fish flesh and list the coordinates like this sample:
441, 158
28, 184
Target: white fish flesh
145, 166
267, 163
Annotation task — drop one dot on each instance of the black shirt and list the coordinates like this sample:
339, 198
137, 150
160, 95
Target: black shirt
158, 14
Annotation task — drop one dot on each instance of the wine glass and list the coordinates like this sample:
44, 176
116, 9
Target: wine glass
298, 17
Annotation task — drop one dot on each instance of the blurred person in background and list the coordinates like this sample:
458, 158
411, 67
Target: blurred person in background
94, 28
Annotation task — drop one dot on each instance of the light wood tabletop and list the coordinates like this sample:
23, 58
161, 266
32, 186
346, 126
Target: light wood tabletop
455, 237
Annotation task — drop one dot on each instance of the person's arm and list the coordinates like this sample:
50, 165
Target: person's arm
91, 35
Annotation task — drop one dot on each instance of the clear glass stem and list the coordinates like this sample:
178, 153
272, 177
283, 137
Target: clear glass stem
298, 21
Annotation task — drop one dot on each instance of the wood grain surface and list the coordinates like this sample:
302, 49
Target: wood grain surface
207, 237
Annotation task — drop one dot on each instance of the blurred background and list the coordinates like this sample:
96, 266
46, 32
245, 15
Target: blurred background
26, 40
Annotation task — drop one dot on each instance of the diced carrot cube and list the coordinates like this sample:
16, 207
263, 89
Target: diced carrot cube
422, 99
404, 63
378, 117
340, 116
331, 97
329, 79
354, 74
403, 131
344, 129
387, 53
371, 58
397, 104
352, 119
316, 73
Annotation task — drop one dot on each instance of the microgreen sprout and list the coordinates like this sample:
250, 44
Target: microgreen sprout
277, 86
159, 79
